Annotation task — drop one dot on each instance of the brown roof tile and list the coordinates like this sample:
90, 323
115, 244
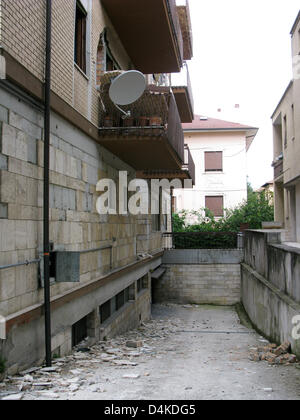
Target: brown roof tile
203, 123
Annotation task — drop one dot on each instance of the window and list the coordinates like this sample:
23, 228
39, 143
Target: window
174, 204
293, 122
79, 331
105, 311
215, 204
156, 218
105, 58
285, 130
139, 285
127, 294
80, 36
120, 300
143, 283
213, 161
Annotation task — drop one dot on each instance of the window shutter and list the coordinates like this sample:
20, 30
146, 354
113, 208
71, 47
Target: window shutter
83, 46
215, 205
213, 161
80, 37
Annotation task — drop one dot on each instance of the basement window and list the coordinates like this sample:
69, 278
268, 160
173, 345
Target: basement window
79, 331
145, 282
142, 283
120, 300
80, 36
105, 311
139, 285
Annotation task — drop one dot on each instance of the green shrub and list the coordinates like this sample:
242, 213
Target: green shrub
256, 209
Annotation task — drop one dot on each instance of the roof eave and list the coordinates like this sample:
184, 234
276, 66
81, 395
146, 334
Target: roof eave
206, 130
282, 98
295, 24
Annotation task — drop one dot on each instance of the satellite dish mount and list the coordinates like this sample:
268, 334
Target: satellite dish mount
127, 88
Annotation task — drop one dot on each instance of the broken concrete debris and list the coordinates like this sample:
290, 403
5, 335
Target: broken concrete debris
124, 360
273, 354
134, 344
76, 372
131, 376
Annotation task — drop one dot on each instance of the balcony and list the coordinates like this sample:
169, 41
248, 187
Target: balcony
183, 11
278, 167
152, 138
150, 32
187, 170
182, 89
189, 164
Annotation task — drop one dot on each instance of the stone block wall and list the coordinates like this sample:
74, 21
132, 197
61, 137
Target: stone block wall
200, 277
76, 165
200, 284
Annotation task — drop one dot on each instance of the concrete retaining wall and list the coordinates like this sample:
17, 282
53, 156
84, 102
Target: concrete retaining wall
200, 276
270, 286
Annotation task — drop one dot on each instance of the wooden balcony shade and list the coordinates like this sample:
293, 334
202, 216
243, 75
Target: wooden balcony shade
186, 29
187, 171
150, 32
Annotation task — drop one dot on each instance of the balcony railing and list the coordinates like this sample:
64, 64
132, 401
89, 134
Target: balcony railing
278, 169
189, 164
152, 138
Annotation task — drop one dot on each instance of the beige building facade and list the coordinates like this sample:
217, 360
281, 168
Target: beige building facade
101, 264
286, 135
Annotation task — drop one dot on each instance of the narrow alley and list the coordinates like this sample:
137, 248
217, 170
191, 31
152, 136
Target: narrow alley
186, 352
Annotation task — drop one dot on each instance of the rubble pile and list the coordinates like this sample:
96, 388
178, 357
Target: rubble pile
273, 354
77, 371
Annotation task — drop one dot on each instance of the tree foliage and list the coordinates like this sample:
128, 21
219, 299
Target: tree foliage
256, 209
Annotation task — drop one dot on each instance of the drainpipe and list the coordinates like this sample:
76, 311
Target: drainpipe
172, 195
46, 184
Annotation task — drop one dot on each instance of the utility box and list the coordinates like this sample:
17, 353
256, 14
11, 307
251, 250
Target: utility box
65, 266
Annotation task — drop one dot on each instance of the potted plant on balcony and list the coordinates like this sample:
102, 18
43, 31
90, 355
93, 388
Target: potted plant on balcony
108, 121
128, 122
155, 122
143, 121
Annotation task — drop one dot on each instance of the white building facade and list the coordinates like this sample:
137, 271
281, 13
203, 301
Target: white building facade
219, 150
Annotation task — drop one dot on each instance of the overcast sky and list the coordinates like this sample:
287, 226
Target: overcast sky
242, 55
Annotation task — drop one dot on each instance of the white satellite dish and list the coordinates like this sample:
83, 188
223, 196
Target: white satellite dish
127, 87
